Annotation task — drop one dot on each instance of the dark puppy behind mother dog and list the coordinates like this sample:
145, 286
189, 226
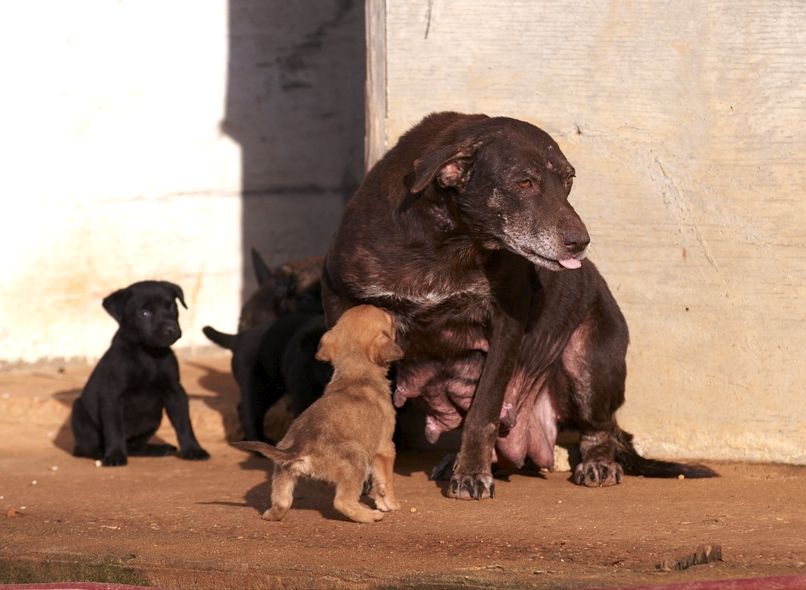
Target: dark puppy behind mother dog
464, 231
121, 406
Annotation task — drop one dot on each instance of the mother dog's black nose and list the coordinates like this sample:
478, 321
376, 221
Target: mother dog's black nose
576, 240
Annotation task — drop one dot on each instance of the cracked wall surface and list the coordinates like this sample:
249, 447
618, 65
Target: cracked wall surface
686, 123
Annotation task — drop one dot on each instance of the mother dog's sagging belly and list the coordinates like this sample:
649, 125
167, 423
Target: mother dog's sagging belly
531, 424
528, 419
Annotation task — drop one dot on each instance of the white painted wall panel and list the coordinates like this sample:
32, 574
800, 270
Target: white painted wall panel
114, 168
146, 139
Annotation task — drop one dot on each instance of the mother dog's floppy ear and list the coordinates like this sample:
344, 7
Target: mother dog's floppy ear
449, 165
115, 302
176, 290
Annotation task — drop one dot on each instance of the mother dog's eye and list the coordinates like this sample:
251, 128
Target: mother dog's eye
146, 314
525, 183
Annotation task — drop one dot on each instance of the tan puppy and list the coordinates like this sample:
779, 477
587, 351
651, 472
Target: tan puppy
349, 429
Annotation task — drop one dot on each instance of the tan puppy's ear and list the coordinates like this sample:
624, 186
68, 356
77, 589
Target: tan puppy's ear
384, 350
327, 348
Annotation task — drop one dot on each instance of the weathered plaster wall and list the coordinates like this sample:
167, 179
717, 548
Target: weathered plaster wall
146, 139
686, 123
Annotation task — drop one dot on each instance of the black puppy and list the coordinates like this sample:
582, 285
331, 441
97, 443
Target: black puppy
272, 359
121, 406
293, 287
278, 334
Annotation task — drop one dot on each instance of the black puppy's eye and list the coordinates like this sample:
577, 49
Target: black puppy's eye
525, 183
146, 314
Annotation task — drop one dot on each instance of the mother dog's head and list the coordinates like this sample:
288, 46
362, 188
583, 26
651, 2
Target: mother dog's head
508, 182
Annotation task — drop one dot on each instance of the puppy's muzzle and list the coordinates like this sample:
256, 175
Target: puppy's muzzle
169, 333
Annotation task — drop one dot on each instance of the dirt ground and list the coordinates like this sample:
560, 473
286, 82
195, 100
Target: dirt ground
179, 524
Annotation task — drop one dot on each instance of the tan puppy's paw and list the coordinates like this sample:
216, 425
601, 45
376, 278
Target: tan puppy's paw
388, 506
384, 504
375, 516
272, 514
383, 496
363, 515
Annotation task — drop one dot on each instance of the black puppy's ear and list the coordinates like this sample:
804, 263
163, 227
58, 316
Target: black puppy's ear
449, 165
115, 302
262, 271
176, 290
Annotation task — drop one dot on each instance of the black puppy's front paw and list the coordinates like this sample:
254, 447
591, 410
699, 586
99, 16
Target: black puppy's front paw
594, 474
114, 459
474, 486
194, 454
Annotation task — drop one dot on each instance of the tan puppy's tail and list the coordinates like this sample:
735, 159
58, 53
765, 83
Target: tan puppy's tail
273, 453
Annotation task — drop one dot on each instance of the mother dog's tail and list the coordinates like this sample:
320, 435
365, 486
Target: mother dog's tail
635, 464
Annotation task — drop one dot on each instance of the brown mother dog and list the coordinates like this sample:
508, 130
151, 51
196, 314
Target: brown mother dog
464, 231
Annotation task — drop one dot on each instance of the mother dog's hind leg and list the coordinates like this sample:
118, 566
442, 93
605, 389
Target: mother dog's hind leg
594, 362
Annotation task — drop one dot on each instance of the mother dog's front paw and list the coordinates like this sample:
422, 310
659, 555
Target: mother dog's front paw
596, 474
197, 454
475, 486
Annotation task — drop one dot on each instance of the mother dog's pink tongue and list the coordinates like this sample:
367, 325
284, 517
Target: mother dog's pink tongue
570, 263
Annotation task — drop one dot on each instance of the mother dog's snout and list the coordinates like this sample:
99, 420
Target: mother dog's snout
576, 239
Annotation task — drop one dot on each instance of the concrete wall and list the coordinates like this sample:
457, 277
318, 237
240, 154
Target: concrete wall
686, 122
147, 139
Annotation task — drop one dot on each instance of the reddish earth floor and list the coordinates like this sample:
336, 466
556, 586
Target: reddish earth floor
180, 524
